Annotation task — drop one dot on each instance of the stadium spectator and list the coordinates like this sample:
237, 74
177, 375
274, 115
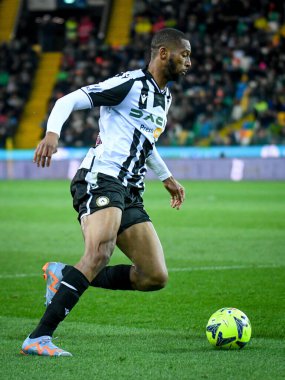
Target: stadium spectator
85, 29
71, 29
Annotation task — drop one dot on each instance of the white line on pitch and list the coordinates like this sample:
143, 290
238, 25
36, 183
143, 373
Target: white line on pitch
224, 267
19, 275
187, 269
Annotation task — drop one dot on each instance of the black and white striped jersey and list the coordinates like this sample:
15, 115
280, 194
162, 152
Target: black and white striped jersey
133, 114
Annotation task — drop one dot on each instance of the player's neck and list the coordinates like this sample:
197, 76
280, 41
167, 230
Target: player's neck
158, 75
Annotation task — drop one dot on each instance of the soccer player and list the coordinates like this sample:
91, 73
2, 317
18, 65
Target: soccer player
107, 189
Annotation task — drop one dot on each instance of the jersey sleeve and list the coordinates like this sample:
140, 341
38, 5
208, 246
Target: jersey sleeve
111, 92
63, 107
156, 163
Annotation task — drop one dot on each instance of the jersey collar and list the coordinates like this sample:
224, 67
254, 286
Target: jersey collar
153, 81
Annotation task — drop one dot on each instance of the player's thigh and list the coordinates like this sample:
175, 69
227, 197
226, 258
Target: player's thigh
99, 201
100, 232
100, 227
141, 244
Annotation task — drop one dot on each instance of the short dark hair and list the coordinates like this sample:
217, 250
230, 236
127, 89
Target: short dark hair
168, 37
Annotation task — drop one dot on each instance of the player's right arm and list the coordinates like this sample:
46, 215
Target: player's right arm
108, 93
62, 109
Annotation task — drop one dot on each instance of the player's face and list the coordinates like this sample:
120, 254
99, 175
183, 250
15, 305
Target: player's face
179, 61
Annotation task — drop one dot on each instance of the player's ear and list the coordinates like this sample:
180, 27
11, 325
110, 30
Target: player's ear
163, 52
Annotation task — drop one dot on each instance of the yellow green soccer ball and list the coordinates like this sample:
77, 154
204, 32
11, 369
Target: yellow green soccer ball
228, 328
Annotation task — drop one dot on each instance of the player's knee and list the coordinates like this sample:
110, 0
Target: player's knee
98, 258
160, 280
155, 281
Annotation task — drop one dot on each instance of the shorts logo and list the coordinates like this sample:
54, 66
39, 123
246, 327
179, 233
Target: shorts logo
102, 201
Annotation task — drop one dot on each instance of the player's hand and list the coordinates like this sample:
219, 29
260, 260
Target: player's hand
45, 149
176, 191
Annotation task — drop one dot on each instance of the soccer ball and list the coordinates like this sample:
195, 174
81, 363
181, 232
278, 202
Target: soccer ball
228, 328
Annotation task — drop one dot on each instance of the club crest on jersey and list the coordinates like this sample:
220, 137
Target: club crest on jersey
102, 201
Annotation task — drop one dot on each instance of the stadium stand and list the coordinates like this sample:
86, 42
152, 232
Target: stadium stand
234, 92
9, 11
18, 63
28, 132
119, 24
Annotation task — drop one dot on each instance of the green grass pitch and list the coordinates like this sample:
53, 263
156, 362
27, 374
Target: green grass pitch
225, 247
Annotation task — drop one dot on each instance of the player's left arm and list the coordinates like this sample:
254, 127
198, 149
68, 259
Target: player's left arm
175, 189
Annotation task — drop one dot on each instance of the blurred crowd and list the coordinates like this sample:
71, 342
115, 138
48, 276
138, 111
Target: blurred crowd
18, 62
234, 93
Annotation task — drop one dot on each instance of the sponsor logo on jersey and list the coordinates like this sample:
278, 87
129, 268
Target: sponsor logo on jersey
157, 132
145, 129
139, 114
102, 201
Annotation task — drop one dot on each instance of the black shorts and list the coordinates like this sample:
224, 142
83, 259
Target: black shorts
106, 192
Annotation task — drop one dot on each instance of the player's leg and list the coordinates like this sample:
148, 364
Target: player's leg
91, 192
142, 246
100, 234
139, 242
100, 231
100, 227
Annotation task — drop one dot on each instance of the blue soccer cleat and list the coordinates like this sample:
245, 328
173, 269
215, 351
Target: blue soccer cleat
53, 276
42, 346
